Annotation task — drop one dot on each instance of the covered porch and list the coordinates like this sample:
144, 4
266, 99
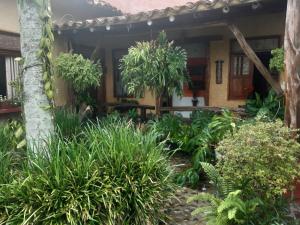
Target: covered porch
221, 73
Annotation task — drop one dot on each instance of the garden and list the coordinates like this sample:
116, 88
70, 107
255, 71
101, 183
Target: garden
117, 169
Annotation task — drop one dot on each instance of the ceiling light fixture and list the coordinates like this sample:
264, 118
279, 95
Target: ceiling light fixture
255, 5
226, 9
172, 18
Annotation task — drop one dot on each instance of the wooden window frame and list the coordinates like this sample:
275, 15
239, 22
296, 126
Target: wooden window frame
6, 109
232, 54
115, 67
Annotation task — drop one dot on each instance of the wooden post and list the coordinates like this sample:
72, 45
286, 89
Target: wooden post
158, 105
254, 58
292, 64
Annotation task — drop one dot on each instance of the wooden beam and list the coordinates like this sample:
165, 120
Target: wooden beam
254, 58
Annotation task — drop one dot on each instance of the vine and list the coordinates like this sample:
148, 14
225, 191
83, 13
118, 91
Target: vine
46, 48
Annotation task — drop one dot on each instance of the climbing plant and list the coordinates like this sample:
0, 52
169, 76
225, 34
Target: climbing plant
46, 47
277, 60
37, 88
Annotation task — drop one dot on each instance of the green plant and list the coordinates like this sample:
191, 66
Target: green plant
158, 66
271, 107
221, 125
133, 114
114, 174
12, 149
80, 72
277, 60
68, 122
231, 210
261, 159
169, 127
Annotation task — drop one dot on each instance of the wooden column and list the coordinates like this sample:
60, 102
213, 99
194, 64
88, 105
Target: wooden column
254, 58
292, 64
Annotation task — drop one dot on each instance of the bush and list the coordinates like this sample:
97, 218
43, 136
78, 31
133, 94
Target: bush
82, 73
158, 66
261, 159
113, 175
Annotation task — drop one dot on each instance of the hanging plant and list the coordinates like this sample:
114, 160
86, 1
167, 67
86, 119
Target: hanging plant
80, 72
277, 60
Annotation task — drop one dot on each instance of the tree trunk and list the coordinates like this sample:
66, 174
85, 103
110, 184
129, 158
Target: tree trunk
292, 64
254, 58
38, 119
158, 105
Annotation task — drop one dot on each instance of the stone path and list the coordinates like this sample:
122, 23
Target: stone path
179, 211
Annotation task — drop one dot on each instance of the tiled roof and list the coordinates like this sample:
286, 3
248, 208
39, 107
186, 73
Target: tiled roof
137, 6
104, 4
201, 5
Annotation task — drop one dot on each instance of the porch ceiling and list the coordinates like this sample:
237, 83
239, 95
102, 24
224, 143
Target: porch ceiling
195, 7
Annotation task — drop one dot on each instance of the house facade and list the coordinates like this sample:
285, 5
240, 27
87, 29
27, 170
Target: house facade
221, 73
63, 10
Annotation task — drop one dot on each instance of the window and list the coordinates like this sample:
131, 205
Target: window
9, 70
119, 88
197, 74
241, 65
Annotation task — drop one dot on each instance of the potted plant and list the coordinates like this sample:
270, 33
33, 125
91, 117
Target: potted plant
4, 102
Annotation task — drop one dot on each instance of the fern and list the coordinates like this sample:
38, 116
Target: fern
231, 210
223, 187
226, 206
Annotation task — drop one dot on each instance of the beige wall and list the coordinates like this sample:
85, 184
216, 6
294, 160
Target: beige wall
218, 50
259, 26
62, 90
9, 16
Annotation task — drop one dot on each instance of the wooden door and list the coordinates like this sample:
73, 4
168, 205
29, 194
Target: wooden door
198, 87
241, 77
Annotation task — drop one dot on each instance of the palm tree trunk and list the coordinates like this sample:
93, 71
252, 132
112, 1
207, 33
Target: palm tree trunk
38, 119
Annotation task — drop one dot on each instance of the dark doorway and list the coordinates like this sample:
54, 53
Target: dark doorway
3, 90
260, 85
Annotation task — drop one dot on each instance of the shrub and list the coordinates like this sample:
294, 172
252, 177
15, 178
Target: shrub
113, 175
260, 159
82, 73
156, 65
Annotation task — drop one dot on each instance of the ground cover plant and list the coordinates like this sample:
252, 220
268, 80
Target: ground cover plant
197, 138
114, 174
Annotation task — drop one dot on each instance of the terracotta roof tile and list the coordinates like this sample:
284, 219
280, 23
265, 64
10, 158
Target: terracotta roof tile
191, 7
